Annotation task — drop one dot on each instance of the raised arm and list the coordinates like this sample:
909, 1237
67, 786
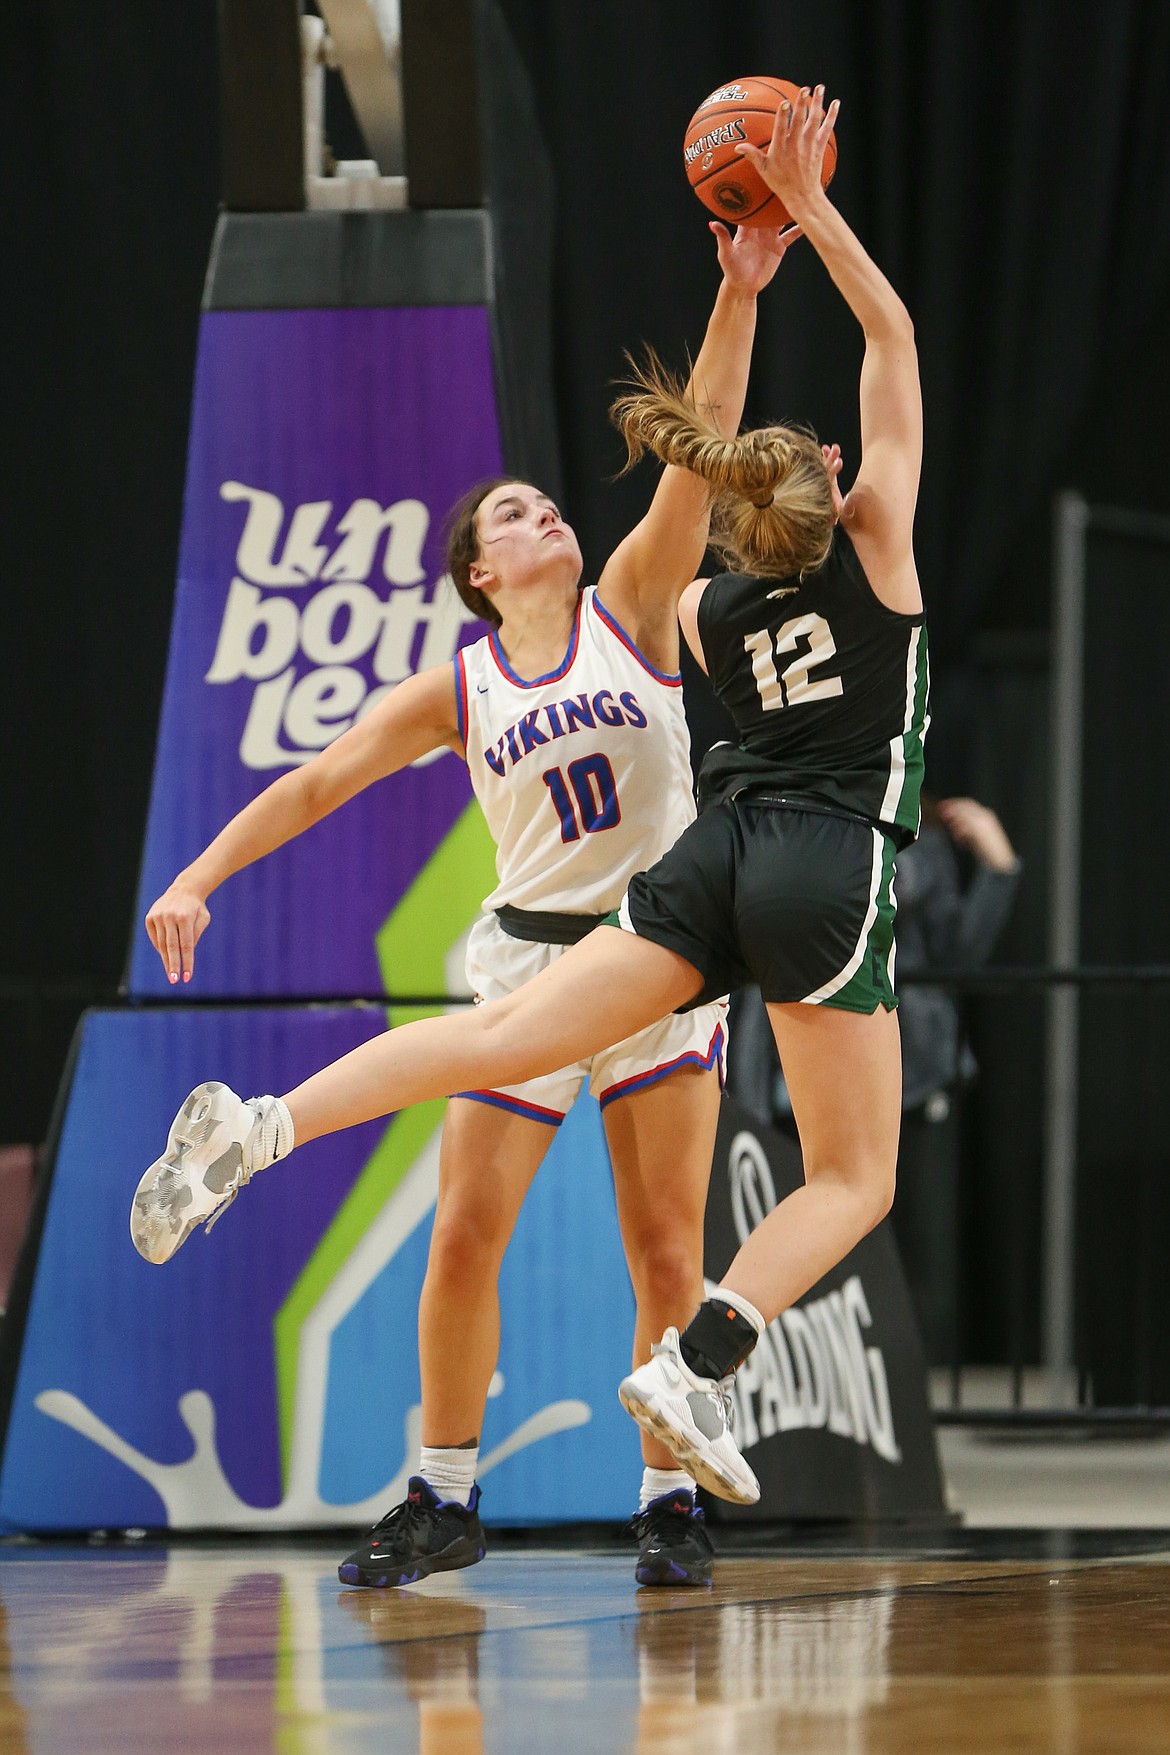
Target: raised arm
418, 716
645, 576
878, 510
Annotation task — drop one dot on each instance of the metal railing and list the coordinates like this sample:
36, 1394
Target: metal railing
1042, 1372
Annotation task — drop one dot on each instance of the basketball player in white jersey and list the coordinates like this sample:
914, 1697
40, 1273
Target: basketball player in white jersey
569, 716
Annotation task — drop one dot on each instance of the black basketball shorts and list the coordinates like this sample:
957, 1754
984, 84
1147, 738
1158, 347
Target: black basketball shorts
796, 902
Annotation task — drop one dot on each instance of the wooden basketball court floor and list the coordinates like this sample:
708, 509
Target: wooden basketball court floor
976, 1640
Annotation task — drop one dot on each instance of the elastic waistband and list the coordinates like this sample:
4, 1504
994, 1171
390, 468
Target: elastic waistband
783, 801
540, 928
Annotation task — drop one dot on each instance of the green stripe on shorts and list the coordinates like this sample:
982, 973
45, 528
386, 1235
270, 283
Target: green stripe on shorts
871, 985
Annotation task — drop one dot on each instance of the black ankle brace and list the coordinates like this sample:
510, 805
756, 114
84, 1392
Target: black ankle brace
716, 1339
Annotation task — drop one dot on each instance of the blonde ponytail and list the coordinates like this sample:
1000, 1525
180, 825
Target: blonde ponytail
771, 497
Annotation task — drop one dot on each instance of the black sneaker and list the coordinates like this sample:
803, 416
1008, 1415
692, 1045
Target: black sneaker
424, 1534
674, 1547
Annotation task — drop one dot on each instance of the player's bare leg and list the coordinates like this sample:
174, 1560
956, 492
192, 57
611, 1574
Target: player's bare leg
601, 991
661, 1141
844, 1075
487, 1161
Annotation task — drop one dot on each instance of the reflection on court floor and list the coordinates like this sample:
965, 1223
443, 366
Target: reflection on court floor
256, 1647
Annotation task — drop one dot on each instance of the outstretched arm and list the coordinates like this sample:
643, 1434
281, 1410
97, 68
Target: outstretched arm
419, 715
878, 511
644, 577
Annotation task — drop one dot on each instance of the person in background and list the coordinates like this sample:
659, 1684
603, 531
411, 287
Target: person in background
942, 923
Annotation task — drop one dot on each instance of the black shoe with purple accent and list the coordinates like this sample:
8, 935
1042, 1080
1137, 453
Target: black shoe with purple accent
674, 1547
424, 1534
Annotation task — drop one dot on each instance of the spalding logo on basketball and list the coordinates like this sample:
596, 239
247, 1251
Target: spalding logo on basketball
744, 109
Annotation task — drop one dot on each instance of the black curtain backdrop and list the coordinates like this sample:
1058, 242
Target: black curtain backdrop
110, 159
1008, 166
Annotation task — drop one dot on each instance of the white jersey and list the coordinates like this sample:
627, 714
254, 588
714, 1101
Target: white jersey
584, 775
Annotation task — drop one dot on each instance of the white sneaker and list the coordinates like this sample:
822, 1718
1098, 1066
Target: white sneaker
216, 1144
691, 1415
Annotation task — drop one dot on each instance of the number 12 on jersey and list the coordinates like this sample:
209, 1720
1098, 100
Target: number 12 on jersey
790, 686
589, 784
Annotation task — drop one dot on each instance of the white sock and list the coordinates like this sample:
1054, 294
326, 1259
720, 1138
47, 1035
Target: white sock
743, 1305
656, 1482
275, 1137
449, 1471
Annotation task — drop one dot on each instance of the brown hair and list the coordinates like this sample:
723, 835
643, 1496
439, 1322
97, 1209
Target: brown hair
462, 536
771, 496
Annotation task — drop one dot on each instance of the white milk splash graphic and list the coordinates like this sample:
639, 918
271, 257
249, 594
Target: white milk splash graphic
197, 1493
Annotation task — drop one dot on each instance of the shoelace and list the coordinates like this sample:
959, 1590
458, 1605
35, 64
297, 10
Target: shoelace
663, 1520
241, 1178
399, 1525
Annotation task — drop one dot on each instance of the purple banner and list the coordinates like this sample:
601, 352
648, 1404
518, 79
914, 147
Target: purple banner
325, 448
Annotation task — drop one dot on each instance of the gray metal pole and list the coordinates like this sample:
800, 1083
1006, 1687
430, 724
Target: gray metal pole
1064, 934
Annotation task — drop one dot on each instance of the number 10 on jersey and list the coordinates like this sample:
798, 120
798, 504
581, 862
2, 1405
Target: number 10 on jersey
585, 796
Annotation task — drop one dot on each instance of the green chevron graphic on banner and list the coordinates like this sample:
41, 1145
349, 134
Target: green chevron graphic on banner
413, 946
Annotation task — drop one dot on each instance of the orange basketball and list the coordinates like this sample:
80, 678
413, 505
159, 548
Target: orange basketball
744, 109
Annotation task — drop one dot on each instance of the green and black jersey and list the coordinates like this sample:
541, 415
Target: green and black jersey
828, 689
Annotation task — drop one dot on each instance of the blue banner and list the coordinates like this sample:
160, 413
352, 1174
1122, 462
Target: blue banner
268, 1376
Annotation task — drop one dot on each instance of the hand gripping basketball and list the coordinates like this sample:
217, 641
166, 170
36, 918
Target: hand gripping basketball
730, 149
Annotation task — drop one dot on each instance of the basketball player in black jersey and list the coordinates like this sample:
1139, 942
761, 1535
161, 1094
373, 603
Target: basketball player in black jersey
816, 642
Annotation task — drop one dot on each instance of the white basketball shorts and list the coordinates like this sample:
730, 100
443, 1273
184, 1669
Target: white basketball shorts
498, 964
